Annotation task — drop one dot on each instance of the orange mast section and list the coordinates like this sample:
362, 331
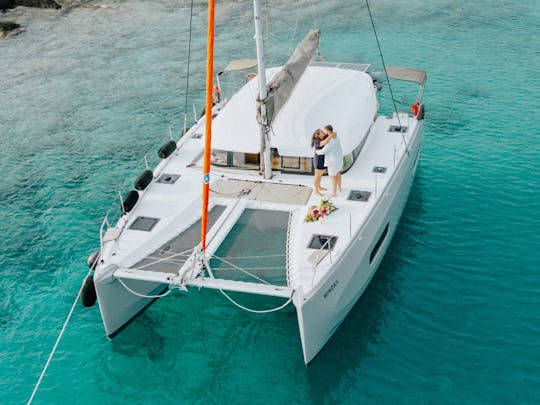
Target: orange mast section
208, 128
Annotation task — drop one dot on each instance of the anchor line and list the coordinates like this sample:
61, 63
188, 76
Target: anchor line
57, 341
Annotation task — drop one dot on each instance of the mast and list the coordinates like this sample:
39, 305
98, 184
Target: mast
261, 74
208, 123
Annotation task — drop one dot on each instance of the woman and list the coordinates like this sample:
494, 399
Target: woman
318, 140
334, 158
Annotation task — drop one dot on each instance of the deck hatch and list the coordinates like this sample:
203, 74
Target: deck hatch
358, 195
379, 169
397, 128
324, 242
167, 178
144, 224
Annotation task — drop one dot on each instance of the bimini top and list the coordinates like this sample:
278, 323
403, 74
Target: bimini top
341, 95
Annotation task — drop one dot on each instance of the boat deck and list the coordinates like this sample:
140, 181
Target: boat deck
175, 208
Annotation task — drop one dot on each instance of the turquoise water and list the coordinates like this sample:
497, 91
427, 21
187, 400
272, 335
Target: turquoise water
452, 316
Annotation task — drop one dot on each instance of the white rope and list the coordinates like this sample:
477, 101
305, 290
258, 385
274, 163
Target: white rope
249, 268
241, 269
57, 341
251, 257
163, 259
143, 295
183, 253
173, 261
264, 311
267, 311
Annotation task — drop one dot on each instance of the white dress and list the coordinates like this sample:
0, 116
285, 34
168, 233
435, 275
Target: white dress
333, 156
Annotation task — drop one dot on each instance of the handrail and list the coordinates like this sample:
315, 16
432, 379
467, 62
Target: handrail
317, 264
105, 221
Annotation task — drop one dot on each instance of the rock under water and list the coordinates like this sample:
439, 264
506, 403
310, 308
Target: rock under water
7, 4
9, 28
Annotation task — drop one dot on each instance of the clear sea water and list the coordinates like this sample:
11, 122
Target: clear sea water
451, 317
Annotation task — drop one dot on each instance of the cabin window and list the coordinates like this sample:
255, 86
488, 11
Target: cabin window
295, 164
286, 164
219, 157
245, 160
290, 163
252, 159
378, 244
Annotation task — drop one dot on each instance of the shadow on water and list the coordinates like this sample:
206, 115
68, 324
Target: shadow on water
363, 328
141, 338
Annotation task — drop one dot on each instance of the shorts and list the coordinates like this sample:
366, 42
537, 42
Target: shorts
334, 170
318, 162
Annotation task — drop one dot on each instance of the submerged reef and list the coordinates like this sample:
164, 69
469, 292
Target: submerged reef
9, 28
7, 4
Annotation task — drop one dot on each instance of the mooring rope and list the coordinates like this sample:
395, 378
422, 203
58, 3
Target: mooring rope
143, 295
255, 311
58, 340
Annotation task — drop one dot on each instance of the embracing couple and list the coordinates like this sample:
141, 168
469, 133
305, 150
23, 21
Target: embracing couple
328, 152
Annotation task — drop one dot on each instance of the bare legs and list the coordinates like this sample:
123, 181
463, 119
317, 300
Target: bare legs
336, 184
317, 182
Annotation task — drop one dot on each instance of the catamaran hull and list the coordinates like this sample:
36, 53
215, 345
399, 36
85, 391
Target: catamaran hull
118, 306
320, 314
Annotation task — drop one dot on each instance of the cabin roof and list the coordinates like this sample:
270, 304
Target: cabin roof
345, 98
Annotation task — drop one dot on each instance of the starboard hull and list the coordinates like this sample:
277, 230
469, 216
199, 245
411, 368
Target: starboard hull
321, 312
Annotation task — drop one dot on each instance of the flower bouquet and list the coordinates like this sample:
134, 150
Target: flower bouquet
317, 213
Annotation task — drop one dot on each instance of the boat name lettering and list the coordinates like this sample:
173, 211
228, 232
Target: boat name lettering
331, 288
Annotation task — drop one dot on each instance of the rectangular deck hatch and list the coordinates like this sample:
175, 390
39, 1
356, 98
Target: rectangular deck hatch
358, 195
144, 224
167, 178
324, 242
397, 128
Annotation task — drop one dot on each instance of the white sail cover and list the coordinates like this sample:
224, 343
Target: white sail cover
280, 88
240, 64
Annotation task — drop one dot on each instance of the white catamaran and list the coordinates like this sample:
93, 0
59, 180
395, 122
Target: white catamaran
254, 158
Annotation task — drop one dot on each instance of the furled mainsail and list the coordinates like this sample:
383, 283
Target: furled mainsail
280, 88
